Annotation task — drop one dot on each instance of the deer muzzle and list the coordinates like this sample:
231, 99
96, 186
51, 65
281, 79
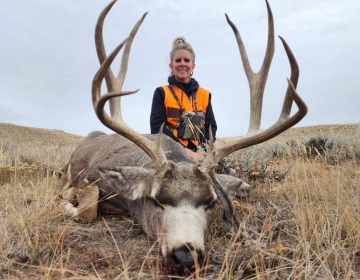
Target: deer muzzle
185, 259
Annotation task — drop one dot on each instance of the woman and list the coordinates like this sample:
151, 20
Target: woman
182, 94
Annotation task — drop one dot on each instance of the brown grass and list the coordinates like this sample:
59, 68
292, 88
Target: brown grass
318, 199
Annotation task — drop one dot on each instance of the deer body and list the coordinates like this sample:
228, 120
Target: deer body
150, 175
174, 206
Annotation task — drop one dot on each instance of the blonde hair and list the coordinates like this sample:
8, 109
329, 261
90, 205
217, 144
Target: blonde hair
180, 43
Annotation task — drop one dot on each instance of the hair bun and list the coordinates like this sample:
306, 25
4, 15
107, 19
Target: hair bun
179, 40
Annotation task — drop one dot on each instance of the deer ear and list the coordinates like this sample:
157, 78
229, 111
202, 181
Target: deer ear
233, 185
129, 182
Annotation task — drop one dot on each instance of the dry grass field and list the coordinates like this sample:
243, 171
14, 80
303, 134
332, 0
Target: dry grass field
307, 184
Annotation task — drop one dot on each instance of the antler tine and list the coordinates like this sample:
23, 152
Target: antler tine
294, 78
125, 57
257, 81
153, 149
99, 42
114, 84
209, 160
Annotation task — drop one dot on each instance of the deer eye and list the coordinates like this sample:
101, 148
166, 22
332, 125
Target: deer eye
211, 206
156, 203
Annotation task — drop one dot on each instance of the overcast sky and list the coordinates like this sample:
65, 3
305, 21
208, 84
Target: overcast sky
48, 58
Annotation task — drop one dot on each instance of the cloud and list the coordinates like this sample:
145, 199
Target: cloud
48, 58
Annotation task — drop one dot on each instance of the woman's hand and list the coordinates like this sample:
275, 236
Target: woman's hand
197, 156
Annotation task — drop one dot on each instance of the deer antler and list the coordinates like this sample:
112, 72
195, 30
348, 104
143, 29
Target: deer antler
257, 83
114, 85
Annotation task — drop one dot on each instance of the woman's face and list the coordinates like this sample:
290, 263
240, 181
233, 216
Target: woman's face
182, 66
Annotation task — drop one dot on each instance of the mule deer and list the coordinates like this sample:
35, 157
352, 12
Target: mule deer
150, 175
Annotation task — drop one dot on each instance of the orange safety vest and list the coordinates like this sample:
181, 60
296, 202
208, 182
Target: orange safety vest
173, 111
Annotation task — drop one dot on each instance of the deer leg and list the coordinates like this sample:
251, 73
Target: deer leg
88, 203
107, 207
65, 205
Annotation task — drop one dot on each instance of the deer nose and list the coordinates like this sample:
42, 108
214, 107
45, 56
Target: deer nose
183, 259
